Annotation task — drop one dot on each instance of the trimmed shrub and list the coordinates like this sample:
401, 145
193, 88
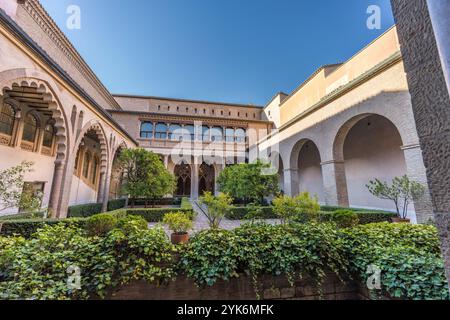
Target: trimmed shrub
22, 216
101, 224
116, 204
84, 210
336, 208
178, 222
27, 227
345, 218
242, 213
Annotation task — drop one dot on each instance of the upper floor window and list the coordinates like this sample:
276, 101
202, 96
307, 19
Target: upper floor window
161, 131
7, 116
147, 130
240, 135
204, 133
216, 134
49, 134
229, 135
29, 128
175, 132
188, 133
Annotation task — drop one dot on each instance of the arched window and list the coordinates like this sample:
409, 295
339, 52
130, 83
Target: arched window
95, 170
77, 161
147, 130
7, 117
175, 132
49, 134
86, 164
161, 131
229, 135
240, 135
29, 128
216, 134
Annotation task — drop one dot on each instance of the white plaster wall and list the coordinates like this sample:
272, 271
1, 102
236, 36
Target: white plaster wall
372, 152
43, 169
81, 193
310, 172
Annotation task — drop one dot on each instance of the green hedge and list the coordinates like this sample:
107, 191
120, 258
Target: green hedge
157, 214
90, 209
365, 216
21, 216
241, 213
27, 227
336, 208
156, 202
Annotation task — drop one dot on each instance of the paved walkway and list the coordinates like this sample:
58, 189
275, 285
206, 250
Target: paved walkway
201, 221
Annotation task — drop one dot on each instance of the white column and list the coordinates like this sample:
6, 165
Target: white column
291, 182
335, 183
194, 180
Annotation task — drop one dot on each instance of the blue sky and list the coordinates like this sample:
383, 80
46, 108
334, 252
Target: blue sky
241, 51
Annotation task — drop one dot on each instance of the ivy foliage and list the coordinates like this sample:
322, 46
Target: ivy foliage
38, 268
408, 256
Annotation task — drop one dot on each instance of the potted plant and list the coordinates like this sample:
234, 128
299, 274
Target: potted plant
180, 224
402, 192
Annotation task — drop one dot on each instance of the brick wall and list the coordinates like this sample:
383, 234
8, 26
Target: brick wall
271, 288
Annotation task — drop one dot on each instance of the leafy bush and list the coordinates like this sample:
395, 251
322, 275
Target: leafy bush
22, 216
38, 268
178, 222
345, 218
302, 208
27, 227
217, 207
100, 224
408, 255
129, 224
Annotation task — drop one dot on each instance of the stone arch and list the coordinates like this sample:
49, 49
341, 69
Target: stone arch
16, 78
278, 164
305, 168
369, 146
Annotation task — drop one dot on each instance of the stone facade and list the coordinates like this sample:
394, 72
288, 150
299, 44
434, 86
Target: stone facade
424, 32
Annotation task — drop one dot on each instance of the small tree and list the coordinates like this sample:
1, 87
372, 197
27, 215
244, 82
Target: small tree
302, 208
218, 207
250, 182
145, 174
12, 193
402, 191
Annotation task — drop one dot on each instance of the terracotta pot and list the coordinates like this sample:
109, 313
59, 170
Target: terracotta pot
178, 238
400, 220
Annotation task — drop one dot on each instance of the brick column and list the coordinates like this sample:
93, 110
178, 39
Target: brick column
291, 183
335, 183
424, 33
416, 172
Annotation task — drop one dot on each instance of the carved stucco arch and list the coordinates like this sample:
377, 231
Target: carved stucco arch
45, 85
95, 126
